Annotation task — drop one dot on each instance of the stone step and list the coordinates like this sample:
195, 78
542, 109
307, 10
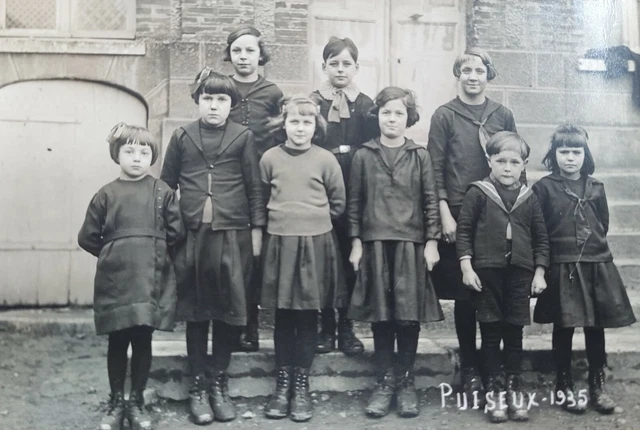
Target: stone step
252, 374
363, 330
624, 245
623, 216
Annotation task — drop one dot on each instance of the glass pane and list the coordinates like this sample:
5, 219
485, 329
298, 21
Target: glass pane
31, 14
101, 15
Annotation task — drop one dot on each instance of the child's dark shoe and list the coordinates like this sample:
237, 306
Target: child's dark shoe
301, 406
199, 406
599, 399
517, 402
116, 410
348, 343
564, 384
380, 400
326, 342
249, 339
278, 406
493, 387
137, 414
408, 405
223, 407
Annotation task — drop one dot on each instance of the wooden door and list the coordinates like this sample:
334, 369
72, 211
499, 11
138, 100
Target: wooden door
53, 159
361, 20
426, 37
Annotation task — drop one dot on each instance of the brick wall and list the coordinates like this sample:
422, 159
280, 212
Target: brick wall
535, 45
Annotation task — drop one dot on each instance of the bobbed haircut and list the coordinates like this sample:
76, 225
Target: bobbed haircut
301, 104
507, 141
569, 136
125, 134
394, 93
469, 55
243, 31
210, 82
336, 45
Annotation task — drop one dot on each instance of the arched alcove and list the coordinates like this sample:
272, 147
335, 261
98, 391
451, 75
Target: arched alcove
53, 158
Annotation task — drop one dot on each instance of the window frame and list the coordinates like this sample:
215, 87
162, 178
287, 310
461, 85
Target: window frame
67, 24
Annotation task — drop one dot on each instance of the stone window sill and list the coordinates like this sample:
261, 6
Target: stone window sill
594, 65
28, 45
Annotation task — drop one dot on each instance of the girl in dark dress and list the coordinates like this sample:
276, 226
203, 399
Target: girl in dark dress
585, 288
214, 163
302, 270
394, 225
131, 224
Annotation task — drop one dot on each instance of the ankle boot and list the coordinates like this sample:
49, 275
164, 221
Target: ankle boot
139, 418
382, 394
301, 406
471, 382
278, 406
517, 401
199, 406
327, 335
223, 407
494, 385
348, 343
564, 383
113, 419
249, 338
407, 397
599, 399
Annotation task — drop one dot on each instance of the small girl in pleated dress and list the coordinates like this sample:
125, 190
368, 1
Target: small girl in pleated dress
302, 265
584, 286
394, 224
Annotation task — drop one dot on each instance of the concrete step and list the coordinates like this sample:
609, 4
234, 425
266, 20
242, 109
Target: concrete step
252, 374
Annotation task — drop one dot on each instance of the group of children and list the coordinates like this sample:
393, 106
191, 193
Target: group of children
319, 202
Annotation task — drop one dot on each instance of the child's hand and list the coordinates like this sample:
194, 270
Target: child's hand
431, 254
538, 285
471, 280
356, 253
449, 227
256, 241
469, 276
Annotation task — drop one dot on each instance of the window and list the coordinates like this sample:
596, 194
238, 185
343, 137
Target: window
114, 19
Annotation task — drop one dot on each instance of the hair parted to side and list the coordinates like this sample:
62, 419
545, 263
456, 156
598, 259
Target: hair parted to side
509, 141
570, 136
336, 45
124, 134
243, 31
468, 55
302, 104
394, 93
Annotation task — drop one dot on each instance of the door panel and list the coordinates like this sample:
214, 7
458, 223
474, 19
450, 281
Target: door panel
426, 37
53, 159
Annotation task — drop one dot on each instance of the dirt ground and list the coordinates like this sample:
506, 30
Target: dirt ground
60, 383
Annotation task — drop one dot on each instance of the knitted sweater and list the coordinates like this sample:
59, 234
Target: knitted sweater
307, 190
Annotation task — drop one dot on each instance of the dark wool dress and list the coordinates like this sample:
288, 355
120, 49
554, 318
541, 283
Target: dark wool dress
213, 268
393, 284
131, 226
584, 289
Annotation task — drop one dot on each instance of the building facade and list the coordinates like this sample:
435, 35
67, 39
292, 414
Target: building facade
71, 69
